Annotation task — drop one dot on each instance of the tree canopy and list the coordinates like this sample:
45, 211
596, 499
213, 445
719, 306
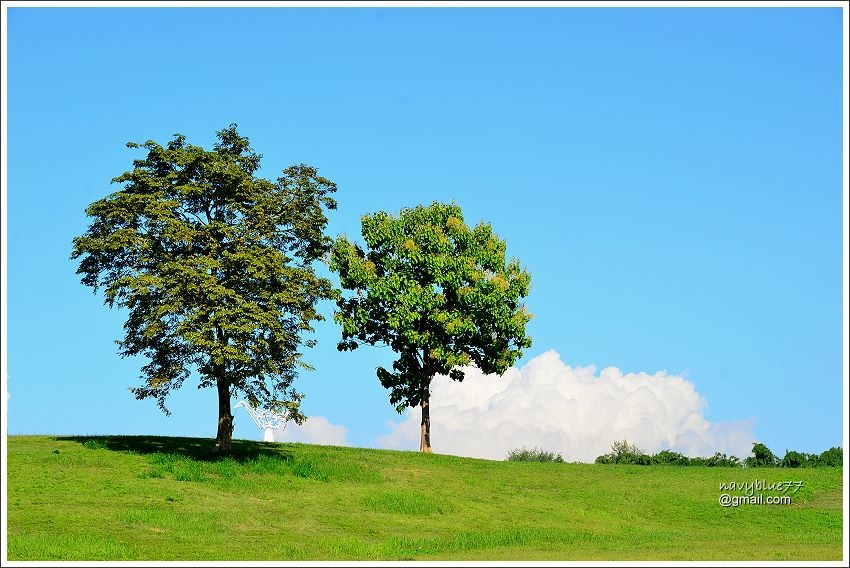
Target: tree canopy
441, 294
214, 266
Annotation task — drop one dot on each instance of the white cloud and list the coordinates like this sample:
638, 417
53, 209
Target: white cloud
315, 430
574, 411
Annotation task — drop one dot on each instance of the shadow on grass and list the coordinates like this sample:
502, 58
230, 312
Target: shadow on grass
198, 449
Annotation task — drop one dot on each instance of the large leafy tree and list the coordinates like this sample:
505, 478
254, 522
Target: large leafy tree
439, 293
215, 266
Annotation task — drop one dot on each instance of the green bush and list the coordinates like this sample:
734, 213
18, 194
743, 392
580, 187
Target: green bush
722, 460
717, 460
798, 459
762, 457
533, 455
666, 457
623, 452
833, 457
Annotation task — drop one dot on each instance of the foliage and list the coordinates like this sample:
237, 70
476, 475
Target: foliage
625, 453
534, 455
833, 457
214, 265
717, 460
797, 459
762, 457
441, 294
666, 457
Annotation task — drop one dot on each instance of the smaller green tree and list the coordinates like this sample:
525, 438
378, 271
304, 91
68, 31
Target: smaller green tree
441, 294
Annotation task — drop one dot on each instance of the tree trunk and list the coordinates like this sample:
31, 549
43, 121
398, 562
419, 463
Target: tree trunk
224, 437
425, 439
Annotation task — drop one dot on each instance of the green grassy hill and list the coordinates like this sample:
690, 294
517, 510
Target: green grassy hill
155, 498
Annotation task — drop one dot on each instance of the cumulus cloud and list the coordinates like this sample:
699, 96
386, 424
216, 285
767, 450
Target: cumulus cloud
575, 411
315, 430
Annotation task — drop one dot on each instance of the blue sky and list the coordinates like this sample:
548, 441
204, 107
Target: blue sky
671, 178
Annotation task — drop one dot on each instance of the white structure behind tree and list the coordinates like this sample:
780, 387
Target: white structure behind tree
266, 420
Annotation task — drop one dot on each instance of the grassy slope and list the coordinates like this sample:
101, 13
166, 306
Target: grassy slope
149, 498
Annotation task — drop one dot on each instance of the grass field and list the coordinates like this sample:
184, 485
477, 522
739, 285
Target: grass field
155, 498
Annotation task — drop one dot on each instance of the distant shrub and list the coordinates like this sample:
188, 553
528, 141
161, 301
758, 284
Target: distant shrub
717, 460
722, 460
762, 457
623, 452
798, 459
666, 457
523, 454
833, 457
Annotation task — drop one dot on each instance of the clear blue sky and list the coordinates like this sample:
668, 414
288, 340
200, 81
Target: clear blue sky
672, 179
